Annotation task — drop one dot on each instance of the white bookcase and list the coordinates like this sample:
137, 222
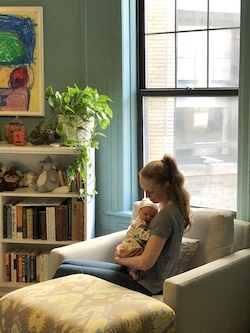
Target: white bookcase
27, 157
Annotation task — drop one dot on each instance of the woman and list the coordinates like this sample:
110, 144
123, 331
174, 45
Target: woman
164, 184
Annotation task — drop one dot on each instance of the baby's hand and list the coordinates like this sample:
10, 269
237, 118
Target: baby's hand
120, 251
134, 252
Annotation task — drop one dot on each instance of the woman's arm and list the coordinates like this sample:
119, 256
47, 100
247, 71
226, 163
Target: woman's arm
149, 256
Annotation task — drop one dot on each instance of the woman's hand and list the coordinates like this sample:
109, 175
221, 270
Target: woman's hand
148, 257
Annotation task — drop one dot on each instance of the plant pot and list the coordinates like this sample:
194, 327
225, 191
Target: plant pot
76, 130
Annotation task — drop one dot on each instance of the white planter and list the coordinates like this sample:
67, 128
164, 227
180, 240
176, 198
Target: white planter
77, 130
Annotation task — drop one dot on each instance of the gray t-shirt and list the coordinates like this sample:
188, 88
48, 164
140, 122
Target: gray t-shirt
168, 224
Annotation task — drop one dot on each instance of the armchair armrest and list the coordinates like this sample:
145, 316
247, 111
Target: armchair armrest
213, 297
100, 248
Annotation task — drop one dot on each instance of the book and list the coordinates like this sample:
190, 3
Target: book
65, 221
8, 225
50, 223
42, 266
36, 231
48, 226
60, 176
14, 221
32, 265
52, 219
24, 220
19, 259
7, 267
7, 219
5, 232
73, 219
19, 222
79, 212
58, 223
69, 203
42, 224
13, 264
29, 222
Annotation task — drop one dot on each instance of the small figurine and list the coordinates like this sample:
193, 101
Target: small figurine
11, 179
13, 126
48, 179
30, 180
42, 135
19, 138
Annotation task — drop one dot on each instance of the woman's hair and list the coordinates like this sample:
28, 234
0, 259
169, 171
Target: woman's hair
166, 170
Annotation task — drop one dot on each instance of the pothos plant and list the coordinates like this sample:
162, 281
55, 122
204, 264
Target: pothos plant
86, 114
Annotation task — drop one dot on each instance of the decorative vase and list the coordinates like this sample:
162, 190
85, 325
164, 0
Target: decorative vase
76, 130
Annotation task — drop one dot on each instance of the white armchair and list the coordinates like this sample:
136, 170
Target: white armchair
214, 294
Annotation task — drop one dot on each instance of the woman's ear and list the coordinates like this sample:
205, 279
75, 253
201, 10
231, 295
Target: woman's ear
167, 184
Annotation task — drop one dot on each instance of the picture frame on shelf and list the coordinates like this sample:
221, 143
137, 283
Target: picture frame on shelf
21, 61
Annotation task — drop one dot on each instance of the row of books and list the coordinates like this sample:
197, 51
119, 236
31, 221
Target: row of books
52, 219
26, 266
76, 184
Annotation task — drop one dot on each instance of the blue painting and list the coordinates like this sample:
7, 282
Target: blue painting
21, 61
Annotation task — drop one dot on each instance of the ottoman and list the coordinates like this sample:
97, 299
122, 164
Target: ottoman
82, 303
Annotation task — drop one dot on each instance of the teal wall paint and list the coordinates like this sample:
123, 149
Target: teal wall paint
85, 42
110, 65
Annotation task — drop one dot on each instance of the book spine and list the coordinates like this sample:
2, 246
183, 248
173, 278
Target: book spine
73, 220
24, 218
35, 223
58, 223
14, 225
65, 222
7, 267
5, 232
30, 223
19, 267
53, 223
42, 224
9, 221
13, 266
79, 220
48, 225
60, 176
69, 202
19, 222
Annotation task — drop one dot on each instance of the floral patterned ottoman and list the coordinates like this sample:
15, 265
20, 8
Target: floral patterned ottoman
82, 303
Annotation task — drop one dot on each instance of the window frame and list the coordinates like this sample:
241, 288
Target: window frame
142, 91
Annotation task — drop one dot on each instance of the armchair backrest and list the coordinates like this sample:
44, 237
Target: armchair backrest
215, 230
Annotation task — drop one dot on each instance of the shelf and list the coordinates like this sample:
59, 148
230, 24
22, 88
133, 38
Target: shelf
27, 192
30, 241
27, 157
29, 148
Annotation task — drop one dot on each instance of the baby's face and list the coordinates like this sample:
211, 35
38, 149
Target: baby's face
147, 213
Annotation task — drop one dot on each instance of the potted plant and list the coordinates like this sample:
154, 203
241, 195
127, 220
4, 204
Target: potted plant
85, 114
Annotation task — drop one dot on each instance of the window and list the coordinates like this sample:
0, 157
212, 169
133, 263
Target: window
188, 92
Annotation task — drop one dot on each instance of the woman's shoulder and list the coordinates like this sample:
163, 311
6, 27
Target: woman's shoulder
170, 209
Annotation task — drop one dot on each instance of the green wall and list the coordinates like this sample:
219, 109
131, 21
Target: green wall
86, 43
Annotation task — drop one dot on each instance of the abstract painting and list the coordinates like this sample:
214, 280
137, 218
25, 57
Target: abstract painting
21, 61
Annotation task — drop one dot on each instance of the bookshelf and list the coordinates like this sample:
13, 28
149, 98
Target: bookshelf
26, 157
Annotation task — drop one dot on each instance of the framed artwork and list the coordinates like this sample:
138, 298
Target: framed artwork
21, 61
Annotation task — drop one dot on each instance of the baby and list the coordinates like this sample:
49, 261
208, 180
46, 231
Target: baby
138, 233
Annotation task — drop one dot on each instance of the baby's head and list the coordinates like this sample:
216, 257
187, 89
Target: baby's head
147, 210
